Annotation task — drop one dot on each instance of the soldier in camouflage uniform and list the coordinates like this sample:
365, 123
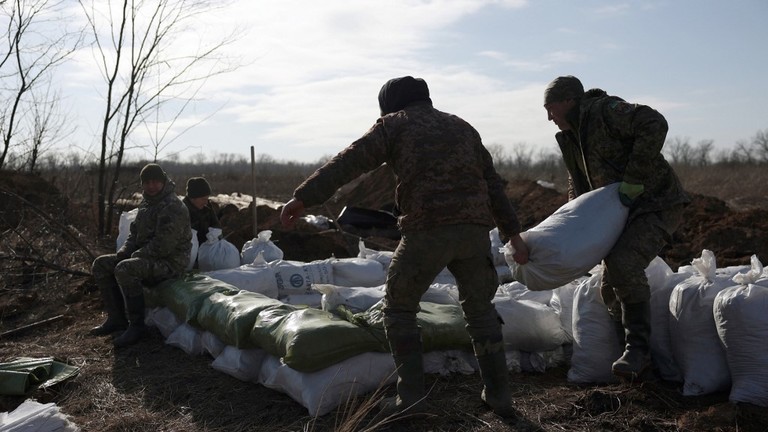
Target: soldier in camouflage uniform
157, 249
606, 140
449, 196
202, 216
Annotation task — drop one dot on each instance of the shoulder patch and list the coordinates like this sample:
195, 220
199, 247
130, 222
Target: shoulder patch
621, 107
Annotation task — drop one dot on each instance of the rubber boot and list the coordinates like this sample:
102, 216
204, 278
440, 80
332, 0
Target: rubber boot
493, 370
407, 353
136, 329
114, 306
636, 360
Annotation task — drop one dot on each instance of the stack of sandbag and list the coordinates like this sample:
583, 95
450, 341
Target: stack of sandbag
571, 241
217, 253
741, 318
696, 345
257, 276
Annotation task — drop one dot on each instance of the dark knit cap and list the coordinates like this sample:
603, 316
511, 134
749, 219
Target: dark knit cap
153, 172
398, 93
563, 88
198, 187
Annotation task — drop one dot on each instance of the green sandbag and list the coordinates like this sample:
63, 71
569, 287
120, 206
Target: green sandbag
185, 296
309, 340
442, 325
24, 374
231, 317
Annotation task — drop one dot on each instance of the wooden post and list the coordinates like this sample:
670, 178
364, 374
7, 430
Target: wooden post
253, 192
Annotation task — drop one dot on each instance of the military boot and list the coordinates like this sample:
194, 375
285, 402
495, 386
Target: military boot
493, 370
636, 360
409, 361
114, 306
136, 328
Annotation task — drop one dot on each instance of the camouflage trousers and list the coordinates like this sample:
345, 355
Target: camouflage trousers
130, 274
466, 251
624, 279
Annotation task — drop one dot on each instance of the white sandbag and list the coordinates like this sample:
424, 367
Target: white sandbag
319, 221
260, 243
295, 277
358, 272
193, 252
529, 325
33, 416
384, 257
595, 341
322, 391
124, 226
754, 274
212, 344
243, 364
695, 343
445, 277
662, 281
741, 317
258, 277
356, 299
441, 293
518, 291
496, 248
217, 253
562, 303
504, 273
187, 338
571, 241
162, 318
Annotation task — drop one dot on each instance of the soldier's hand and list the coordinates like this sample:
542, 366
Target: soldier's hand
292, 210
521, 249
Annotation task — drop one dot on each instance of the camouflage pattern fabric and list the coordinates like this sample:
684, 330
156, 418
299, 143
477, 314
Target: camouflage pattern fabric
157, 248
624, 279
421, 255
445, 176
201, 219
616, 141
130, 274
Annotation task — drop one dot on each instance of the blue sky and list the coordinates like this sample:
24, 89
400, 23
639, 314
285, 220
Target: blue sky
311, 70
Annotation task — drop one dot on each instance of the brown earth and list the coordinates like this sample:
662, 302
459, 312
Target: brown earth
48, 243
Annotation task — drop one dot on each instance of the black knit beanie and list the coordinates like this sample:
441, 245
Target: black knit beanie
198, 187
153, 172
563, 88
398, 93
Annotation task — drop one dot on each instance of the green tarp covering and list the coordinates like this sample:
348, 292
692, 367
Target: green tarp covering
24, 374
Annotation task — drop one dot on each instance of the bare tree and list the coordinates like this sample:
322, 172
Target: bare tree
38, 42
760, 145
149, 78
679, 151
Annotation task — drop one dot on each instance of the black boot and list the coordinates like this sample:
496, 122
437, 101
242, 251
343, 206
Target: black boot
636, 361
493, 370
136, 329
407, 353
114, 306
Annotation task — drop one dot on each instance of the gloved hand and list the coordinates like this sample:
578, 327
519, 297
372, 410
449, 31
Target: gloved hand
628, 192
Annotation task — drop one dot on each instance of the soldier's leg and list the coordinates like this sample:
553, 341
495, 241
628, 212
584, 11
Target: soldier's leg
641, 241
478, 281
130, 275
418, 259
103, 269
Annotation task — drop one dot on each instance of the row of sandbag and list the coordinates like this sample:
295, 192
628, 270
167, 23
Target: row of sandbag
708, 329
317, 358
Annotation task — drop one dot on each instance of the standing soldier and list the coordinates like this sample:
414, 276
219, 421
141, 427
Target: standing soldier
449, 196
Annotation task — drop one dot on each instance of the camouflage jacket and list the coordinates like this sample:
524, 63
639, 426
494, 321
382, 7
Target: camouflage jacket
161, 230
616, 141
201, 219
444, 174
